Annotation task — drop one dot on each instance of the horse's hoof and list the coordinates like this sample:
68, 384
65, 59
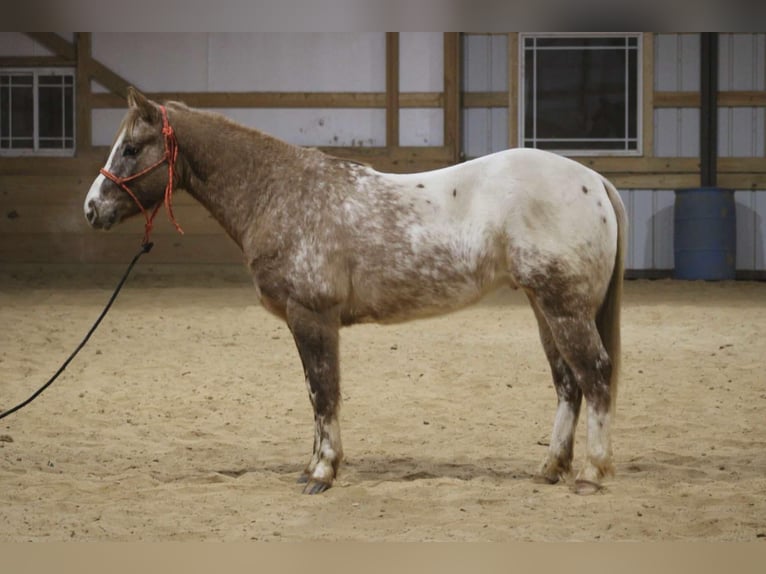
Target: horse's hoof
542, 479
315, 487
303, 478
586, 487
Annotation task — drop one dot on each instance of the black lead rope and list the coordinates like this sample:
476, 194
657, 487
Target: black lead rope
145, 248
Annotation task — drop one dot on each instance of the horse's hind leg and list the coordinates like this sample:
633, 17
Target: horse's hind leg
317, 338
558, 462
579, 343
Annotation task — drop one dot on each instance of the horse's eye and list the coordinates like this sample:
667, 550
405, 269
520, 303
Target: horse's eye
130, 151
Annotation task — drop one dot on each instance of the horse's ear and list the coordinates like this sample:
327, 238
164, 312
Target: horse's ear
147, 110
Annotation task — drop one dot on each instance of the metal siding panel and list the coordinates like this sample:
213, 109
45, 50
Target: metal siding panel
760, 230
317, 127
689, 128
743, 201
677, 62
499, 129
476, 65
689, 73
724, 62
666, 62
741, 132
741, 67
421, 127
499, 63
176, 61
476, 127
485, 68
301, 61
641, 229
666, 132
725, 135
104, 125
741, 63
743, 123
676, 132
759, 65
421, 62
662, 229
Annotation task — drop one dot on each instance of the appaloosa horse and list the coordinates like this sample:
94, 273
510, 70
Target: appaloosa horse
331, 242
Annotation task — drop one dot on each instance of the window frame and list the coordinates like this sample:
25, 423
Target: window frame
638, 91
36, 150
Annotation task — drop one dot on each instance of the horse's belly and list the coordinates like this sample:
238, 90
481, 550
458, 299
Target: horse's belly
395, 294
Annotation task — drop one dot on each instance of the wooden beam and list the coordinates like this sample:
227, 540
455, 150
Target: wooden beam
452, 94
392, 90
639, 164
281, 99
485, 99
727, 99
83, 109
35, 62
54, 43
676, 99
107, 78
310, 99
741, 165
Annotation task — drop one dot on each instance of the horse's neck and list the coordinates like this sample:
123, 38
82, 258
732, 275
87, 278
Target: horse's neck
227, 168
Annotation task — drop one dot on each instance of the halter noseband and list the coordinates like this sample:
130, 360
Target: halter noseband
170, 156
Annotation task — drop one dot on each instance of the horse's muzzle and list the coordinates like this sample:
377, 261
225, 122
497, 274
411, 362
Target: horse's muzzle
92, 215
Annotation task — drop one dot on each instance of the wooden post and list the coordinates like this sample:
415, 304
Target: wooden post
452, 95
392, 90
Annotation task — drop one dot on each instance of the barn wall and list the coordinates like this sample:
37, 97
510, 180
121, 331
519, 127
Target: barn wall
37, 207
285, 62
236, 62
676, 133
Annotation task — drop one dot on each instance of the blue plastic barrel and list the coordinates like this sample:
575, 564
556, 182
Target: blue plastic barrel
705, 234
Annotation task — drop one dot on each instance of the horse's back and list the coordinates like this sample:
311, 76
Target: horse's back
537, 200
549, 215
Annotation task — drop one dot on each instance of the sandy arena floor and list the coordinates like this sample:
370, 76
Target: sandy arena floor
186, 418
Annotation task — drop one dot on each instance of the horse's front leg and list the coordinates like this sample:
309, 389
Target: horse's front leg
316, 335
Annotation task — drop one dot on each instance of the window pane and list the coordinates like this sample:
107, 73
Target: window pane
16, 113
50, 80
50, 117
632, 94
37, 110
529, 94
69, 112
580, 93
5, 110
22, 114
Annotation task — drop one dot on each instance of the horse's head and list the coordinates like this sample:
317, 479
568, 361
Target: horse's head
129, 183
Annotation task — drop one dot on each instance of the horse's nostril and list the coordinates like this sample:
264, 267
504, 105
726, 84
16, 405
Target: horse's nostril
91, 213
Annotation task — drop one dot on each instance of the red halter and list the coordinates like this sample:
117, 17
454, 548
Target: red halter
170, 155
